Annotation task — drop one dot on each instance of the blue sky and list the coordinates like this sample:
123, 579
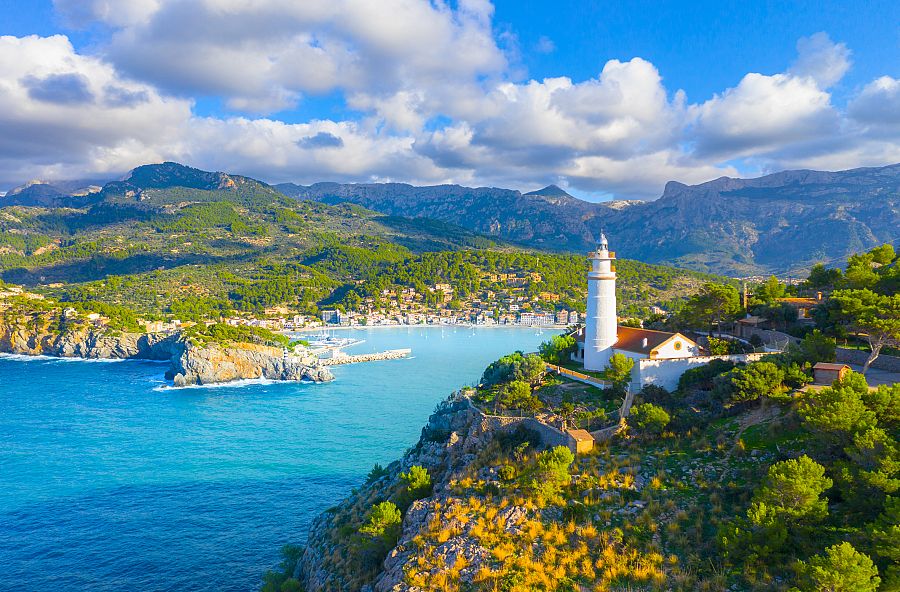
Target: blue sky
608, 99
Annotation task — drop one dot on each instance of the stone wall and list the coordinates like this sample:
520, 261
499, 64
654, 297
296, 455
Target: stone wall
549, 435
858, 358
665, 373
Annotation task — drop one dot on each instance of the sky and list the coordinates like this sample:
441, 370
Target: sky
609, 100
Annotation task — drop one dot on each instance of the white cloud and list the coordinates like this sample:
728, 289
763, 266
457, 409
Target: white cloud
438, 97
761, 114
878, 104
820, 59
544, 45
64, 114
262, 56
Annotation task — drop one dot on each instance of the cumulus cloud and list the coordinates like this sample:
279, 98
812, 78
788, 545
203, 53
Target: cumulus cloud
878, 104
70, 88
437, 96
761, 114
821, 59
321, 140
263, 56
63, 114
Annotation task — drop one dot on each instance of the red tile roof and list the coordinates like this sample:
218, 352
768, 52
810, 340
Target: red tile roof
632, 339
829, 366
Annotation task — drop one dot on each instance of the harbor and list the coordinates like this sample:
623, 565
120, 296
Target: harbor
328, 350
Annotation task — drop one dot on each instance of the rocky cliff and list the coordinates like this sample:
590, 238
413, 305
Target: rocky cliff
335, 559
783, 222
240, 361
190, 363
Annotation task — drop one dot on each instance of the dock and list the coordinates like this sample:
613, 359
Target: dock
338, 357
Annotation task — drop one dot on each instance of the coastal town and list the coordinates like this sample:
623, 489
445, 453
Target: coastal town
396, 307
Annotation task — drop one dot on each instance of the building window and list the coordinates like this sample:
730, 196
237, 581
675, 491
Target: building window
677, 345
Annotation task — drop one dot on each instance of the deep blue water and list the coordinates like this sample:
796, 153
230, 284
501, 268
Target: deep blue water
109, 480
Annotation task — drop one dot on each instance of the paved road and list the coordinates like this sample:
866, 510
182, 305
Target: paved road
875, 377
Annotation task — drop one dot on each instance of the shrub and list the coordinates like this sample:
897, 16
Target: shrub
792, 490
795, 377
816, 347
551, 470
516, 366
383, 521
507, 472
754, 381
652, 393
703, 375
618, 370
418, 482
558, 349
841, 569
376, 473
517, 395
839, 412
649, 418
885, 404
718, 346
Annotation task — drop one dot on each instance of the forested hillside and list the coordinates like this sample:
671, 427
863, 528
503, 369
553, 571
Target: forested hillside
784, 222
170, 239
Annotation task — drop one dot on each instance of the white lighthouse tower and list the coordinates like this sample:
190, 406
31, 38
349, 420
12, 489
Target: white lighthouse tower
601, 322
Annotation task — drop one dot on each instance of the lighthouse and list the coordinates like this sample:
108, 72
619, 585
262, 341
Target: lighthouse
601, 322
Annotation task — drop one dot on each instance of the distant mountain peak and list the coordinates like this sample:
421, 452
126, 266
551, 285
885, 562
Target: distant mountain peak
550, 191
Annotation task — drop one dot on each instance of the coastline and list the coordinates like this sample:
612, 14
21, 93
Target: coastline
422, 326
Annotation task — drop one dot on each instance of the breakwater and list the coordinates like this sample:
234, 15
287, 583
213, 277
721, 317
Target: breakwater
341, 358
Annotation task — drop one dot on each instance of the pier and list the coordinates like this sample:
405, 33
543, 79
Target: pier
340, 358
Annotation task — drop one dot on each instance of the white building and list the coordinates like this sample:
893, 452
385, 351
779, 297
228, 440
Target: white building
660, 357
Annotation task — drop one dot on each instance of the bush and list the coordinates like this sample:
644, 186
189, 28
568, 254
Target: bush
817, 347
376, 473
418, 483
618, 370
841, 569
702, 376
558, 349
515, 366
718, 346
507, 472
649, 418
383, 521
652, 393
753, 381
792, 490
551, 470
795, 377
517, 395
839, 412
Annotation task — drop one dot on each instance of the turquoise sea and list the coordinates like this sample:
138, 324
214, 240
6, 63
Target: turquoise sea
110, 480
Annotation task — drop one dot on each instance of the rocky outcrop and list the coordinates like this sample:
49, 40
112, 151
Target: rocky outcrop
217, 364
85, 342
449, 443
190, 363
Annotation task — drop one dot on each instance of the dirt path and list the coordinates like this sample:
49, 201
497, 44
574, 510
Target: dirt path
756, 417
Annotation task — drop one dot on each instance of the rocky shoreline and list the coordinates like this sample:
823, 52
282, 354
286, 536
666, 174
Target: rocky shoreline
449, 444
190, 364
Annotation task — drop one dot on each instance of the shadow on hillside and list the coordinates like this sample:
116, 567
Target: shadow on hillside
99, 267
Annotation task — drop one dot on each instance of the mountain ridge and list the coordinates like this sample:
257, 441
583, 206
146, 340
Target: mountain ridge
781, 222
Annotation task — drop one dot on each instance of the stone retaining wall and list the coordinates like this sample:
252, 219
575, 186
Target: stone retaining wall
859, 357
